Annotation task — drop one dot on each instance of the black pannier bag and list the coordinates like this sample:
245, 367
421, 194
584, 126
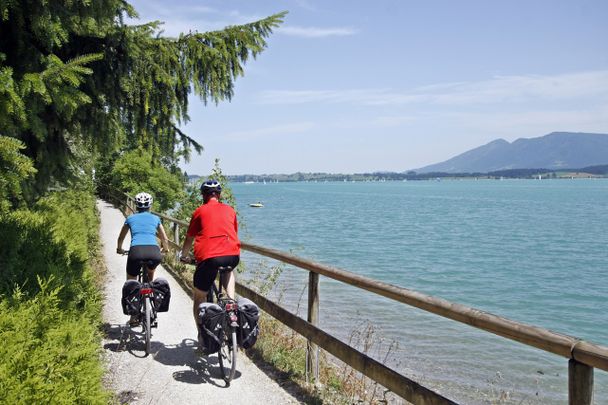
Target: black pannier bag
211, 329
162, 294
130, 297
249, 314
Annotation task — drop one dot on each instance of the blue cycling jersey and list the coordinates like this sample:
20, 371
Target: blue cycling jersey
143, 227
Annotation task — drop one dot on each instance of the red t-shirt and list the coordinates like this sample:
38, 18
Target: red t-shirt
214, 228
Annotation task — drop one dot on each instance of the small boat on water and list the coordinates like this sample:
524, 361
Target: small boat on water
256, 205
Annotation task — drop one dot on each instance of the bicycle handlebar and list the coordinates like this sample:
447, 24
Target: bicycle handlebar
187, 260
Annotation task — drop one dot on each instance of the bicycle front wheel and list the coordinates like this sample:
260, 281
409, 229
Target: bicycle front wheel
147, 324
227, 357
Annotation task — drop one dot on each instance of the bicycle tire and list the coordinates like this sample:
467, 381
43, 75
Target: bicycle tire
147, 325
227, 357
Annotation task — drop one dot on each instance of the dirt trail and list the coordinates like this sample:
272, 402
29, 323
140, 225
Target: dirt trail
172, 373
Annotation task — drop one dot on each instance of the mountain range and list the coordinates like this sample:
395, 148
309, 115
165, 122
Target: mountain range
557, 150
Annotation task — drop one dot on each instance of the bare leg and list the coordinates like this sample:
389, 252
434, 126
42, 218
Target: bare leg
228, 282
199, 296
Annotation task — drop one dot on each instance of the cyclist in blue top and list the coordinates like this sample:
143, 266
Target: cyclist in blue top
144, 227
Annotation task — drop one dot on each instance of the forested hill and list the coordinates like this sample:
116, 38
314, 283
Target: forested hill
584, 172
555, 151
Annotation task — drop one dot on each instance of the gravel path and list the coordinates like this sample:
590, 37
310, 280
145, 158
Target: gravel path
172, 373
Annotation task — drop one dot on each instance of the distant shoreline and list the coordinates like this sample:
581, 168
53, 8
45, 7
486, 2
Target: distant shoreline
534, 174
417, 180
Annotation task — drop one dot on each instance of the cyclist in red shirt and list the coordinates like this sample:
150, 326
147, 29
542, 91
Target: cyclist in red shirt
214, 230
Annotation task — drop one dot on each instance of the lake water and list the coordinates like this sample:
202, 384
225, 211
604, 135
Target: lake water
534, 251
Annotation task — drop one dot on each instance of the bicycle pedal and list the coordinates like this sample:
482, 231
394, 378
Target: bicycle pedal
154, 324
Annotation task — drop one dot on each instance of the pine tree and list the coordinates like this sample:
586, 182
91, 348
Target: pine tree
75, 77
14, 169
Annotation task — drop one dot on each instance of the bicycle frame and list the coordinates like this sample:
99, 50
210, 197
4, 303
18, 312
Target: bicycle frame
228, 348
228, 345
147, 310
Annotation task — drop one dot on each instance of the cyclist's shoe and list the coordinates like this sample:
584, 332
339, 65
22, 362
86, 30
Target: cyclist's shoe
201, 352
202, 348
134, 321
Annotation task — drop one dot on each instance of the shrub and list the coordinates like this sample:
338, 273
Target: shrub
134, 171
49, 306
48, 355
52, 239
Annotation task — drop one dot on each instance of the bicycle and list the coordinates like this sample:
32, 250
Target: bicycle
228, 340
228, 346
146, 316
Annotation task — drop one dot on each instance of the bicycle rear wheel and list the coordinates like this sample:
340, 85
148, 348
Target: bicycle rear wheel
147, 324
227, 356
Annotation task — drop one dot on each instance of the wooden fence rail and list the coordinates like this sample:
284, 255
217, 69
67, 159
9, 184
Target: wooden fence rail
583, 356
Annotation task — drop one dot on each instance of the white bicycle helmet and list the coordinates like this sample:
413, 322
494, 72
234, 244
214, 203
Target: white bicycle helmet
143, 200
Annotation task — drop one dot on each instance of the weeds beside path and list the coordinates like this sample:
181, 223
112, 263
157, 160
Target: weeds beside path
281, 352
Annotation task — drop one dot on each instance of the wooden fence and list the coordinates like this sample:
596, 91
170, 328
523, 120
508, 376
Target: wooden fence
582, 356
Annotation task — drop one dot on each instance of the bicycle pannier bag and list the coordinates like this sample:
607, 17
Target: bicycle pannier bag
162, 294
249, 314
130, 297
211, 327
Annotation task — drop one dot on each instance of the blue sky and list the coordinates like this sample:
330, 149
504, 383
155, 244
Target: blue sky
360, 86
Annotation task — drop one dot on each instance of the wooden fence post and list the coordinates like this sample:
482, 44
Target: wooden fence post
176, 233
580, 383
312, 350
130, 205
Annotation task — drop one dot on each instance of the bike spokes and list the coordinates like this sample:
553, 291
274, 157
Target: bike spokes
227, 357
147, 324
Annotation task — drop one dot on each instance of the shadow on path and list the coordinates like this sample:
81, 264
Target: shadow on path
202, 369
124, 338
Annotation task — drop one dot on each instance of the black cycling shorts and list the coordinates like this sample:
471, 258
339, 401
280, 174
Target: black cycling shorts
150, 253
206, 271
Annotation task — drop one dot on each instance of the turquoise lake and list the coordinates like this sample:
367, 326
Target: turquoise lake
534, 251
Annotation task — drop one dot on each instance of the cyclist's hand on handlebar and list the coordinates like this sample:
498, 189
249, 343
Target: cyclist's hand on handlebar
186, 259
120, 251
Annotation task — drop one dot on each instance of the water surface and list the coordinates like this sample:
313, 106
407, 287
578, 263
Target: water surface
532, 251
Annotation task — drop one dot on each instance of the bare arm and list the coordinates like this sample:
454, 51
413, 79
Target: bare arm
163, 237
187, 246
121, 238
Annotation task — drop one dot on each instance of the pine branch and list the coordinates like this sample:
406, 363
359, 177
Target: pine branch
213, 60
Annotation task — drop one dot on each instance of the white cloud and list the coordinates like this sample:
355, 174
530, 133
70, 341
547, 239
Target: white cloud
305, 4
502, 89
179, 18
315, 32
182, 19
533, 122
393, 120
285, 129
352, 96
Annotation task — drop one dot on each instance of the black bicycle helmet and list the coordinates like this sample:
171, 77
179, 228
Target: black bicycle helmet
210, 187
